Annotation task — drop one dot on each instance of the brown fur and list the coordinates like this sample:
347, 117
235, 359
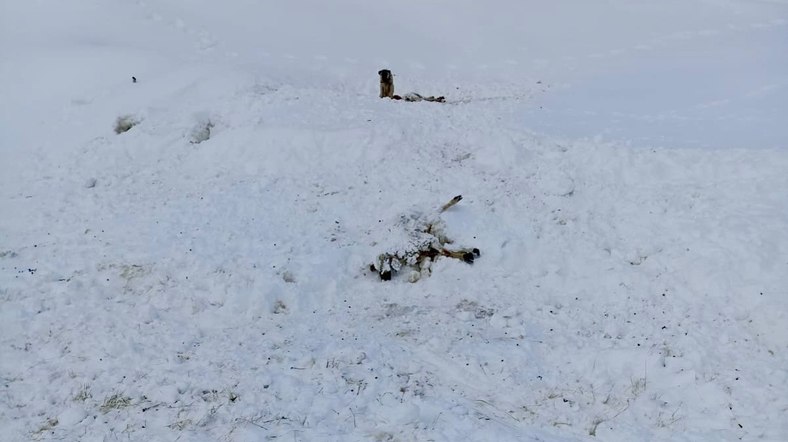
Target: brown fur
386, 83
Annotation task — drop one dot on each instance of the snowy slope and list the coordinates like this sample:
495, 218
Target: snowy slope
634, 273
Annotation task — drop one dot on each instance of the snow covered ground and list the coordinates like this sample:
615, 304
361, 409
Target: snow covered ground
204, 275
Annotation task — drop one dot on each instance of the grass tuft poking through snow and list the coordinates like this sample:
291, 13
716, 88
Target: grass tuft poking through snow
116, 401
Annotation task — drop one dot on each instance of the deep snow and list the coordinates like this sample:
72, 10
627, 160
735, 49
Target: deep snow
632, 216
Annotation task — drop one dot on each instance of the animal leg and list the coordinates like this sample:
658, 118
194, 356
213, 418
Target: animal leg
466, 255
452, 202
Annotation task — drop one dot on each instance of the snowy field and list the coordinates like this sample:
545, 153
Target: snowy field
204, 275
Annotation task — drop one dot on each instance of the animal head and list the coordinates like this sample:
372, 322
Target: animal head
385, 76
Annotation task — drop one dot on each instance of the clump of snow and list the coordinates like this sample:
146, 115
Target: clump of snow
124, 123
201, 130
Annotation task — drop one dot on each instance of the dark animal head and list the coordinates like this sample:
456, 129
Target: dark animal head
385, 75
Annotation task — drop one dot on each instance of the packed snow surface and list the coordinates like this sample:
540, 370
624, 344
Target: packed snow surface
186, 257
